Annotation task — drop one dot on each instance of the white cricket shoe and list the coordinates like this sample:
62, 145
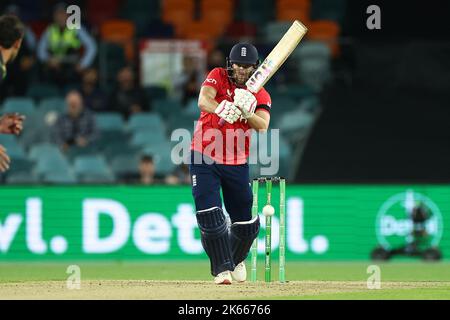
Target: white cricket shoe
223, 278
239, 273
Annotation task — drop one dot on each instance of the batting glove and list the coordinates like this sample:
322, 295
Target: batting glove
246, 102
228, 111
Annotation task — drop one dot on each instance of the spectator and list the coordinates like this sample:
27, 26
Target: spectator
76, 127
93, 96
21, 68
59, 49
179, 176
215, 59
186, 83
147, 170
128, 98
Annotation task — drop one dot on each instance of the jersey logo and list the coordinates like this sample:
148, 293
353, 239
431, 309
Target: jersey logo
243, 52
211, 80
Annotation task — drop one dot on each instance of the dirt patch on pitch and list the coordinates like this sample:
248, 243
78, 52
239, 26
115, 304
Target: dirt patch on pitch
190, 290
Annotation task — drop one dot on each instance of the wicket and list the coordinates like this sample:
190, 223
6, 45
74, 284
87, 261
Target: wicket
268, 236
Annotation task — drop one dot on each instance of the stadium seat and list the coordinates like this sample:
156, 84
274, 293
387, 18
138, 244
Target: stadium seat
21, 178
192, 107
53, 165
328, 10
327, 31
121, 32
294, 121
20, 165
8, 139
147, 136
40, 91
123, 165
313, 50
146, 120
109, 137
15, 151
166, 107
52, 104
273, 31
114, 149
21, 105
38, 128
66, 177
109, 121
92, 169
156, 92
74, 151
43, 151
162, 158
315, 73
111, 57
178, 121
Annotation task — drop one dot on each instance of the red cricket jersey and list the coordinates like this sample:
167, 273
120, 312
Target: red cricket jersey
229, 143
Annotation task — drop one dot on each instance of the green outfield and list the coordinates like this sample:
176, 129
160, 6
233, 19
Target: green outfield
191, 280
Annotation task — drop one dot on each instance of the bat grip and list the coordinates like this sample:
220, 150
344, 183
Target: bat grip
221, 122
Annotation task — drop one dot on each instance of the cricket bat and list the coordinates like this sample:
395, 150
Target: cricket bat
276, 58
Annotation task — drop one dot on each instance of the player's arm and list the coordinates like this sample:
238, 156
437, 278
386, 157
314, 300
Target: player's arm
4, 159
206, 99
259, 120
11, 123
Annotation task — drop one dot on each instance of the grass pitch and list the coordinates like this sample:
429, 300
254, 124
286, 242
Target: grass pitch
191, 280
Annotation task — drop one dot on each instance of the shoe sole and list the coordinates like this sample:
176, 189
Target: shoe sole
226, 282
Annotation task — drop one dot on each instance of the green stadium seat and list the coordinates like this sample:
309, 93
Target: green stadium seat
162, 158
24, 106
274, 30
315, 73
156, 92
75, 151
38, 128
7, 139
192, 108
92, 168
41, 91
111, 137
312, 50
54, 165
123, 165
166, 107
178, 121
45, 150
15, 151
59, 178
109, 121
114, 149
21, 178
52, 104
20, 165
145, 137
146, 120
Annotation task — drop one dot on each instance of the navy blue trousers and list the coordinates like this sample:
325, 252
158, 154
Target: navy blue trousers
208, 179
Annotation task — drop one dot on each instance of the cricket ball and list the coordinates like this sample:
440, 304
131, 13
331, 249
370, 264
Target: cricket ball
268, 210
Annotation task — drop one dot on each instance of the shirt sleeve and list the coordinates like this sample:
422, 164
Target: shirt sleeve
263, 101
213, 79
42, 48
90, 48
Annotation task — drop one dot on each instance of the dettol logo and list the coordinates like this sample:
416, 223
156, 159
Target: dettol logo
394, 225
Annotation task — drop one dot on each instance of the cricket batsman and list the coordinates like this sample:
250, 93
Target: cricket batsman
219, 163
11, 35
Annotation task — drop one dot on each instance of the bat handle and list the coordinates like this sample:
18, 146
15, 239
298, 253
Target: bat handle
221, 122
